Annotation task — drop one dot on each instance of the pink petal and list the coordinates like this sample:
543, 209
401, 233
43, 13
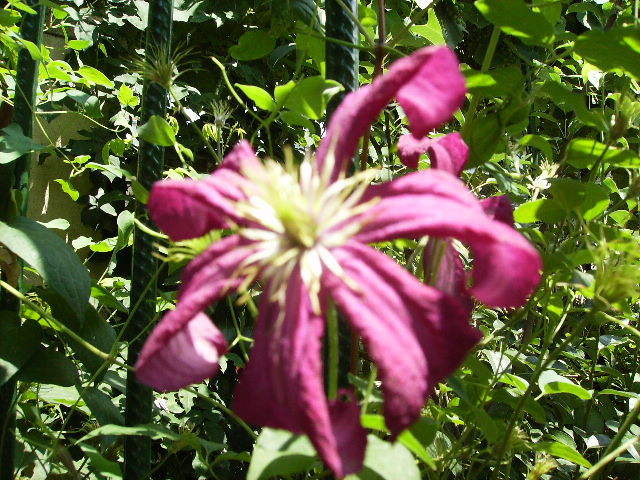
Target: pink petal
189, 356
184, 347
444, 270
416, 335
283, 387
506, 266
499, 208
410, 148
190, 208
428, 85
448, 153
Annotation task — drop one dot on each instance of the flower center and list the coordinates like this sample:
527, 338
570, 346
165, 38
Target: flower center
298, 216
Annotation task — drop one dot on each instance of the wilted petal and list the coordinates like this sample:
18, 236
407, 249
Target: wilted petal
415, 334
506, 266
186, 332
187, 208
499, 208
189, 355
428, 85
283, 387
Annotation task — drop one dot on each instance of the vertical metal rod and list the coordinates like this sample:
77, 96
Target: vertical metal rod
139, 400
24, 106
342, 66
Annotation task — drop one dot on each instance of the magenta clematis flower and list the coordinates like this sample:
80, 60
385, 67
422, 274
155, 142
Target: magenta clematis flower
304, 233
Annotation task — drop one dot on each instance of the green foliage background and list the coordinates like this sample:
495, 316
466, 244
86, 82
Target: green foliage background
551, 120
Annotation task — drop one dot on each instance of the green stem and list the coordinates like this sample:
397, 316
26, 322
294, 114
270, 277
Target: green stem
334, 352
542, 366
608, 457
612, 450
486, 64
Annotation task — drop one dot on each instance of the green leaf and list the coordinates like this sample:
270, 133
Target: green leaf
260, 97
101, 406
570, 101
515, 18
68, 188
551, 383
495, 83
94, 76
153, 431
50, 367
157, 131
51, 257
18, 343
615, 50
432, 31
586, 199
539, 142
294, 118
584, 152
32, 48
310, 96
280, 453
14, 144
424, 429
126, 96
252, 45
542, 210
386, 461
78, 44
562, 450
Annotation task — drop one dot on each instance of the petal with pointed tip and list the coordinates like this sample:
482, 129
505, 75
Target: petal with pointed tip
190, 208
283, 387
188, 356
428, 85
415, 334
182, 348
431, 202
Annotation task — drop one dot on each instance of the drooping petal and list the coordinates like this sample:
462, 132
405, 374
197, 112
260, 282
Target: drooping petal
415, 334
184, 347
410, 148
189, 356
506, 266
283, 387
186, 209
444, 270
428, 85
448, 153
499, 208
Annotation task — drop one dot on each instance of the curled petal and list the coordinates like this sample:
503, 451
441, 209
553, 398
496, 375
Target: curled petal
448, 153
190, 208
506, 266
415, 334
190, 355
499, 208
428, 85
185, 338
283, 387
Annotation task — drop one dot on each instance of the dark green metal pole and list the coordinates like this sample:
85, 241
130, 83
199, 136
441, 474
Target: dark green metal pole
342, 66
342, 61
24, 106
137, 453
